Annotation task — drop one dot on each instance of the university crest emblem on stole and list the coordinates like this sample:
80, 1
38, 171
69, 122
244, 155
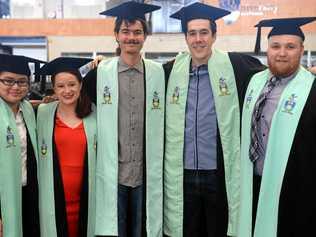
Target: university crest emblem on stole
249, 99
107, 95
175, 96
10, 138
156, 100
95, 142
223, 88
43, 148
290, 104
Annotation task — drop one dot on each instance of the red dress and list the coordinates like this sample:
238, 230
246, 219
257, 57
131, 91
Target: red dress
71, 148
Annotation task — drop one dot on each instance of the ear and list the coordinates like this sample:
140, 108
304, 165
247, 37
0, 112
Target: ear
186, 37
214, 37
116, 37
302, 50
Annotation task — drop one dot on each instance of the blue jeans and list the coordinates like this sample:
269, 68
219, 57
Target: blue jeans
202, 209
130, 208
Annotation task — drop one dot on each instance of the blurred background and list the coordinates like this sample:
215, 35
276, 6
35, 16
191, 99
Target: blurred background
46, 29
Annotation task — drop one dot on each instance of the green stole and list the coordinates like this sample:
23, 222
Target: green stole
107, 165
281, 135
224, 89
45, 127
10, 165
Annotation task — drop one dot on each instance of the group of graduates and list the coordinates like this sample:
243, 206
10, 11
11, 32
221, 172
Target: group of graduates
209, 144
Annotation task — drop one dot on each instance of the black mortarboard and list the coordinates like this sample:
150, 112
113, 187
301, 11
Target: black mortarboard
198, 11
282, 26
63, 64
17, 64
131, 10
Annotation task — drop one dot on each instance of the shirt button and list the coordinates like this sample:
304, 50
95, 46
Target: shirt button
262, 116
133, 129
264, 135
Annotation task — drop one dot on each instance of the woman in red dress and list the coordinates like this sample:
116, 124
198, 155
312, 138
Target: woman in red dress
67, 132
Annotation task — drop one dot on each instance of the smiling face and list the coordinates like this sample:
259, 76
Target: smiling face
131, 37
200, 39
67, 88
284, 54
13, 94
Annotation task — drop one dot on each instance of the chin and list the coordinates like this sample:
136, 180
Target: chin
133, 51
283, 72
14, 100
68, 102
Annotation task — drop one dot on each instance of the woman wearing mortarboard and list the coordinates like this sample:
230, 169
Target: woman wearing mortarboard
18, 148
67, 154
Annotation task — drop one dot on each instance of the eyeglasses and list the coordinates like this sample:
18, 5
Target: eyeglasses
20, 83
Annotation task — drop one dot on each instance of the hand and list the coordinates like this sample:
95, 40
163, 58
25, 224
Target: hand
49, 98
312, 69
35, 103
97, 60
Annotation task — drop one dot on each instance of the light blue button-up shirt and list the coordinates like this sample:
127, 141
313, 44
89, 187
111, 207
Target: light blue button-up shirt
200, 138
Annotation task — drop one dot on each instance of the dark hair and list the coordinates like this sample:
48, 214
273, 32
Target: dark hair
119, 22
213, 27
84, 105
118, 51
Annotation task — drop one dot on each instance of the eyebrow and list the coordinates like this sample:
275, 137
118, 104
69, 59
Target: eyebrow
16, 79
202, 29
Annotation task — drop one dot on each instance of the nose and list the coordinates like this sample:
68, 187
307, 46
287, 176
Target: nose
197, 37
131, 35
67, 89
15, 86
282, 51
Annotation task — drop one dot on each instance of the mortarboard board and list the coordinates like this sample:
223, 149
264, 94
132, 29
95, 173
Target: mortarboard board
282, 26
63, 64
18, 64
198, 11
131, 10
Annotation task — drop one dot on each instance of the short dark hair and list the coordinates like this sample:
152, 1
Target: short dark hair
120, 21
84, 105
213, 27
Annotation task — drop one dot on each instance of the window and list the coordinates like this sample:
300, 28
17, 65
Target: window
161, 57
168, 7
77, 54
4, 9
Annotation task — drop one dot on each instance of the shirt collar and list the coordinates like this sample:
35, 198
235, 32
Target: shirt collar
122, 66
19, 114
195, 68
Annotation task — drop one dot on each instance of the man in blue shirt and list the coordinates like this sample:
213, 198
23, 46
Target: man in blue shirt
202, 147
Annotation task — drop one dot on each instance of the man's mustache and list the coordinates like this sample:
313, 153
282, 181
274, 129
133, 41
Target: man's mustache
131, 42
